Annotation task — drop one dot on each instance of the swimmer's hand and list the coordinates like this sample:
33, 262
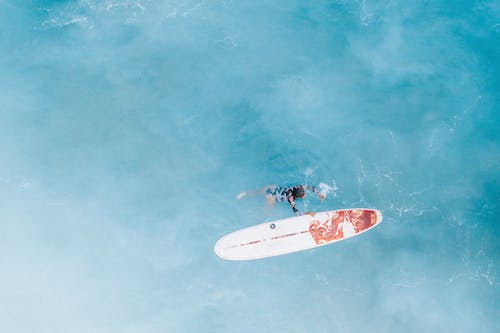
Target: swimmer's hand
241, 195
321, 196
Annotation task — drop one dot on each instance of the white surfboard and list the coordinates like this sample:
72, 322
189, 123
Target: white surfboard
296, 233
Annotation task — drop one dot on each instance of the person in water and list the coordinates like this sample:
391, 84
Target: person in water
275, 194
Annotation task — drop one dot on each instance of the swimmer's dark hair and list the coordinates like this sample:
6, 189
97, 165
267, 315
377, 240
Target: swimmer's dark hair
298, 192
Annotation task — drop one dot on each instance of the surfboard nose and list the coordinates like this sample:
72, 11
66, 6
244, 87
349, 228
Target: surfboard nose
379, 216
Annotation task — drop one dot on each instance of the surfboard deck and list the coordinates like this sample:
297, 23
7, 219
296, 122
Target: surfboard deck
296, 233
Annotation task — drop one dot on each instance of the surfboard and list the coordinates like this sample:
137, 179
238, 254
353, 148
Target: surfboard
296, 233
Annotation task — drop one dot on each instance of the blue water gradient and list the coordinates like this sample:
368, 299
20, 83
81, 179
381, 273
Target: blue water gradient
128, 127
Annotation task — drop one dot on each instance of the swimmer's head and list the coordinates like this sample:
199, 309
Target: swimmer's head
299, 192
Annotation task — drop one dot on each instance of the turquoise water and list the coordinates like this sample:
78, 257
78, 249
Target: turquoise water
128, 127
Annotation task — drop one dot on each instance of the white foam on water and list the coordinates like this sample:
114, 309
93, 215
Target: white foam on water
326, 189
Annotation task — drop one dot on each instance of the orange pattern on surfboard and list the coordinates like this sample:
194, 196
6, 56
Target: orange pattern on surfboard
341, 224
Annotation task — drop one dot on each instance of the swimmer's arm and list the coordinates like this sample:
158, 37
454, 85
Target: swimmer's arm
318, 193
291, 201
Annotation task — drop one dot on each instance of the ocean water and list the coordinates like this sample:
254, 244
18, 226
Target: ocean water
128, 127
